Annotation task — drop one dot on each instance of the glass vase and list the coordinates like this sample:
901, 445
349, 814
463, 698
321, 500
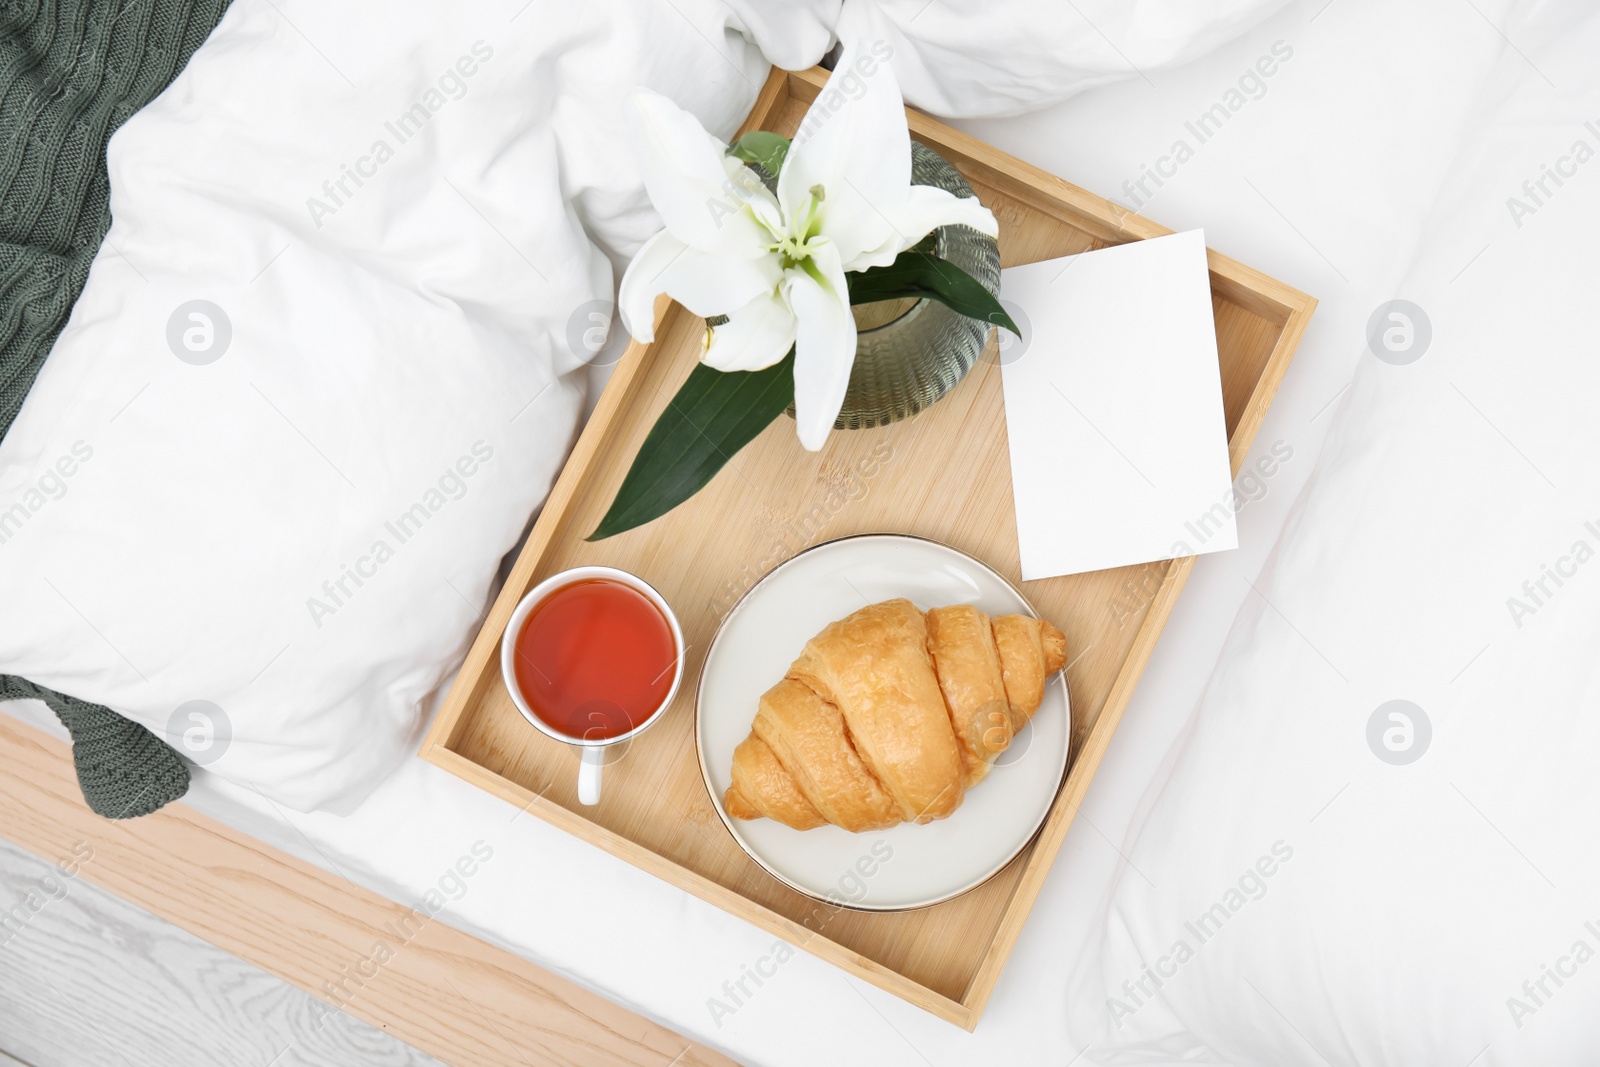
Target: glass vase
909, 353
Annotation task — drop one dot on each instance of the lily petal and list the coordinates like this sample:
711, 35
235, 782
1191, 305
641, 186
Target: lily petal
927, 208
636, 296
712, 285
706, 284
853, 143
684, 172
755, 336
825, 345
924, 210
754, 196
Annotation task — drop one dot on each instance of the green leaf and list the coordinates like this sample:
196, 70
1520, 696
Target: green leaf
759, 146
923, 276
715, 414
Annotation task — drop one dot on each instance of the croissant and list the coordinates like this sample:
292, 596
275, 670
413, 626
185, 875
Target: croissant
890, 714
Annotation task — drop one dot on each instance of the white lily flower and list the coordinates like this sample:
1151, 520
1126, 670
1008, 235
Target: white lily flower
775, 265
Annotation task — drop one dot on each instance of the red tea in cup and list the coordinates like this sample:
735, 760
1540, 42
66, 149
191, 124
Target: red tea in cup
595, 659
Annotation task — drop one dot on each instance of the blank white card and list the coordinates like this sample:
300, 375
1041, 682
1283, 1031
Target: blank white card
1119, 448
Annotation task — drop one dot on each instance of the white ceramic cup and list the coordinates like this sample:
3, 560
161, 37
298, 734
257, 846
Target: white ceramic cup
594, 753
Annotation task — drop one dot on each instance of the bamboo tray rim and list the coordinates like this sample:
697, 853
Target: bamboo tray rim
1281, 306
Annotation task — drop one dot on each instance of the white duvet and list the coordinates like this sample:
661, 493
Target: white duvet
1344, 909
327, 364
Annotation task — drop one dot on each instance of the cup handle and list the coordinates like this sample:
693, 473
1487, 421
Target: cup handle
591, 763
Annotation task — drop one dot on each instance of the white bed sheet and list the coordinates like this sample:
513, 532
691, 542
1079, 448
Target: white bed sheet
1385, 723
1323, 181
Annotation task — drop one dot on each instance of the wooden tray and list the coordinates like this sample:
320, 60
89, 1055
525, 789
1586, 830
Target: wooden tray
944, 474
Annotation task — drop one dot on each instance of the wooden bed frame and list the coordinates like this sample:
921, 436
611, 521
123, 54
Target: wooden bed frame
446, 993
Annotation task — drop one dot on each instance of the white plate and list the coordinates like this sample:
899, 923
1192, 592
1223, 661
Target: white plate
909, 866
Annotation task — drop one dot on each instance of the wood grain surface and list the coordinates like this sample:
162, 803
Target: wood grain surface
443, 992
89, 980
944, 474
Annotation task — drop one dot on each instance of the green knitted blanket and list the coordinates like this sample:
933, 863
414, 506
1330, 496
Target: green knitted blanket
71, 72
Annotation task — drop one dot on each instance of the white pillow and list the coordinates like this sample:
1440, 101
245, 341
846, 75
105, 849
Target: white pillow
1326, 876
1003, 57
324, 368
